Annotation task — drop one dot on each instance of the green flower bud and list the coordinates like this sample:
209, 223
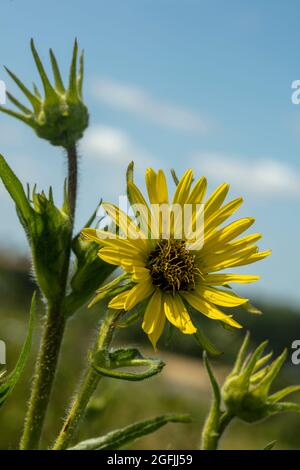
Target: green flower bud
48, 230
61, 116
49, 235
246, 389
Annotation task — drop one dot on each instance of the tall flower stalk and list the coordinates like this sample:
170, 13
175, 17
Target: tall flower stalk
61, 118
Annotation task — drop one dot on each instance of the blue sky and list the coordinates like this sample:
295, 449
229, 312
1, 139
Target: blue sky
201, 84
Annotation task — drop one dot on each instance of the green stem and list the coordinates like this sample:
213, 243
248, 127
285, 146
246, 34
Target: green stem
44, 375
72, 178
88, 385
52, 334
213, 430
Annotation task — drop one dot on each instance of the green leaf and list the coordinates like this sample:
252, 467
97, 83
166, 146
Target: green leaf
105, 363
206, 344
8, 385
17, 193
212, 422
125, 436
213, 381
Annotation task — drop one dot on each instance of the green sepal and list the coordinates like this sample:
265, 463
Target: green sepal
245, 391
205, 343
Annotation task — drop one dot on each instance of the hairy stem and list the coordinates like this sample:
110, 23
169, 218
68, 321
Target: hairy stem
45, 372
52, 334
213, 430
88, 385
72, 178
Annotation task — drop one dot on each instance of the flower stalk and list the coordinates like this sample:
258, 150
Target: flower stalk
72, 179
43, 379
88, 385
53, 333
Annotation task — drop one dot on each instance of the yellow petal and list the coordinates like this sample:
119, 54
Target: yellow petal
140, 274
212, 263
138, 293
198, 192
218, 217
220, 297
98, 236
222, 279
140, 207
122, 220
177, 314
154, 318
208, 309
118, 302
161, 188
151, 185
216, 199
158, 329
152, 312
229, 232
183, 188
252, 258
233, 247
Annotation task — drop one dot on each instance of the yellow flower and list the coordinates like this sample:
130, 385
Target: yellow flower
172, 272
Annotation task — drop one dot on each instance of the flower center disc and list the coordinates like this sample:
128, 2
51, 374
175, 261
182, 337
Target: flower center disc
172, 266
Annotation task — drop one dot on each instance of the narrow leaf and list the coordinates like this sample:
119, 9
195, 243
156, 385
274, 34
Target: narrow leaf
206, 344
7, 387
125, 436
16, 191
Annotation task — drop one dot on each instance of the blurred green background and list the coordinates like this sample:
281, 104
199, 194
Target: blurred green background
182, 387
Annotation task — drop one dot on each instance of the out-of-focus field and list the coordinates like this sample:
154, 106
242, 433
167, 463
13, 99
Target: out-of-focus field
182, 387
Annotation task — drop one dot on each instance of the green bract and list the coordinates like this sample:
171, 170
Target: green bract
245, 393
48, 230
60, 116
246, 389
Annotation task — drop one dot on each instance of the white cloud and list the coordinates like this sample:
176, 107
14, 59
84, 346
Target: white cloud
114, 146
138, 101
265, 177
